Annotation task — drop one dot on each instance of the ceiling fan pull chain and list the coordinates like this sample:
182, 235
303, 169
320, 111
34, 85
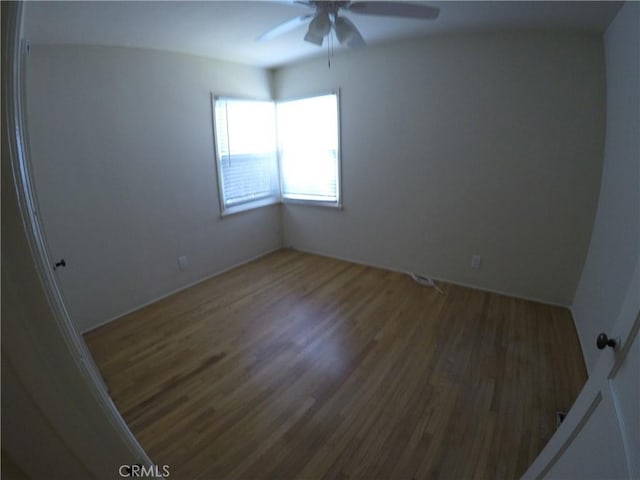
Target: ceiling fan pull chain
333, 44
330, 48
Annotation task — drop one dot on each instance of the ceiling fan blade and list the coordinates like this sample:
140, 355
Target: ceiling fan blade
302, 3
395, 9
284, 27
347, 33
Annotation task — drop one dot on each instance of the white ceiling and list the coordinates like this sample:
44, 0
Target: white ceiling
227, 29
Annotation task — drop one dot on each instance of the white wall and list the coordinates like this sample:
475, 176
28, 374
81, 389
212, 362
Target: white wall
122, 151
451, 146
482, 144
615, 242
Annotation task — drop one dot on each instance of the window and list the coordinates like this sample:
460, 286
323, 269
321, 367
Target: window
308, 146
245, 139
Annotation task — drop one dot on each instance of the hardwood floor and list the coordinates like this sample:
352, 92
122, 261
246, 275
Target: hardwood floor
299, 366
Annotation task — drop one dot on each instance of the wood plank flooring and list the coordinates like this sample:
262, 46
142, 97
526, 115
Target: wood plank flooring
299, 366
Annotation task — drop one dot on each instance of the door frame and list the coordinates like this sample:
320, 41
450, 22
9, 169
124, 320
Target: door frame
17, 137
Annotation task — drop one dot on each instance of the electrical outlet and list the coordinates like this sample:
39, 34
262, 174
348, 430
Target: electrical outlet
475, 261
183, 263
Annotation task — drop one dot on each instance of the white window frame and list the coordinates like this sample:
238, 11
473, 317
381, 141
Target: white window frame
250, 204
320, 203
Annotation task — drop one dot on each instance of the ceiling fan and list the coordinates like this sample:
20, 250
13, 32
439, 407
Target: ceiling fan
328, 15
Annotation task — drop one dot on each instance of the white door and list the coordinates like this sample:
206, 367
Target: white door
600, 437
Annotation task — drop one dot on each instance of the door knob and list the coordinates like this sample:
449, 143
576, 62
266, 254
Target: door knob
604, 341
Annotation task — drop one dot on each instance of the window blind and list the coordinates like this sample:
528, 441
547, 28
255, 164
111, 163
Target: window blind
246, 150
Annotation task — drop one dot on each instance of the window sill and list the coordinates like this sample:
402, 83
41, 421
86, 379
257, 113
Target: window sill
312, 203
245, 207
265, 202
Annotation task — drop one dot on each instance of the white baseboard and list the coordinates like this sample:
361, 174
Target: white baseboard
337, 257
179, 289
437, 279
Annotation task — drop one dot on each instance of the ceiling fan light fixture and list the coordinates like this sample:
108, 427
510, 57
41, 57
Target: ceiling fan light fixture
313, 38
344, 30
320, 26
347, 33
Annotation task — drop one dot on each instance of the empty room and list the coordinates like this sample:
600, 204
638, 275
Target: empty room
317, 240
